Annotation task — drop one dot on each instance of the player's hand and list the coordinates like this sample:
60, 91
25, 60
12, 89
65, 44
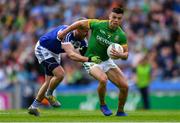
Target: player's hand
116, 54
82, 50
119, 55
95, 59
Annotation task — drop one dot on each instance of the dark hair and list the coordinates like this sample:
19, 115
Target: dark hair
118, 10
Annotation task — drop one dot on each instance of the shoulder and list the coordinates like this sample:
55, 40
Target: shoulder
120, 30
95, 22
62, 27
121, 36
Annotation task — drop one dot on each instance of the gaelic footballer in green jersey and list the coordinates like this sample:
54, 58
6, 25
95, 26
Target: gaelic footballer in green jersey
102, 36
103, 33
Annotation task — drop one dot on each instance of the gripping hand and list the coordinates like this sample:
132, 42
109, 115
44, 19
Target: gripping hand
95, 59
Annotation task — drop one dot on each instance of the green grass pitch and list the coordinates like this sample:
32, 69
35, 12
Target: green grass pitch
59, 115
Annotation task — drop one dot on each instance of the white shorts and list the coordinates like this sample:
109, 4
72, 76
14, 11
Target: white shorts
43, 54
104, 66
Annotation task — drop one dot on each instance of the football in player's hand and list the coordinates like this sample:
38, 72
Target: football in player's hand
116, 47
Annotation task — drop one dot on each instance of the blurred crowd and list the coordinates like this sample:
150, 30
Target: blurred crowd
152, 28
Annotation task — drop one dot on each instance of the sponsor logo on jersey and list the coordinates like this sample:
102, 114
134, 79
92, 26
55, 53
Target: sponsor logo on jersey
103, 40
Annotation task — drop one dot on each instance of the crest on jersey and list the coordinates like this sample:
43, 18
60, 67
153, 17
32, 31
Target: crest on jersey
76, 44
116, 39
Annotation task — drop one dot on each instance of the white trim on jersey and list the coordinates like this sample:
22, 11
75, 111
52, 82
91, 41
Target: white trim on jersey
67, 37
65, 42
85, 39
58, 33
58, 38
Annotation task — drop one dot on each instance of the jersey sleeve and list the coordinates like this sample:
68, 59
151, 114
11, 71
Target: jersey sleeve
67, 38
61, 29
93, 23
123, 39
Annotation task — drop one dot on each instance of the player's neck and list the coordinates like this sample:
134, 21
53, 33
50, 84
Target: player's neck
111, 27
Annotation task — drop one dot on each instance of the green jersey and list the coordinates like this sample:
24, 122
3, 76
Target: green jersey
101, 37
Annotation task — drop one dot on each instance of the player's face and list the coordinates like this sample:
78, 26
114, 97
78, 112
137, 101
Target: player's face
115, 19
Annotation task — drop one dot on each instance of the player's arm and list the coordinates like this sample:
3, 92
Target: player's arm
82, 24
120, 55
69, 49
125, 54
124, 44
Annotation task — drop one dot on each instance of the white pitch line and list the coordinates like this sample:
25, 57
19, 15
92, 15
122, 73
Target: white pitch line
13, 113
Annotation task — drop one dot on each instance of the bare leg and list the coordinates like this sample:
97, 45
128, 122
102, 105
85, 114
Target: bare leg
33, 109
54, 82
43, 88
98, 74
57, 78
117, 77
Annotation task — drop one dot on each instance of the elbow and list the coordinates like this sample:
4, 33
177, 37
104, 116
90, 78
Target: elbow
125, 57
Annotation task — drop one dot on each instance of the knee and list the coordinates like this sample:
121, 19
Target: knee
124, 87
60, 75
122, 84
103, 79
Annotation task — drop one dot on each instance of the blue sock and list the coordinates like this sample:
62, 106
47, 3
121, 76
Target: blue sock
36, 103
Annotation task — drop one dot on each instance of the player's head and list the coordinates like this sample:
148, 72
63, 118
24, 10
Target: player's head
81, 33
115, 17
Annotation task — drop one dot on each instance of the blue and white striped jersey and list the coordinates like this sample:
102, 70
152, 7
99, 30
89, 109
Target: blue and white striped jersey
51, 41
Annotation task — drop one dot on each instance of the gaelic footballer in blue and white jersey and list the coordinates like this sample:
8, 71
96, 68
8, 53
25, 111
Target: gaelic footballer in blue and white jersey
49, 47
